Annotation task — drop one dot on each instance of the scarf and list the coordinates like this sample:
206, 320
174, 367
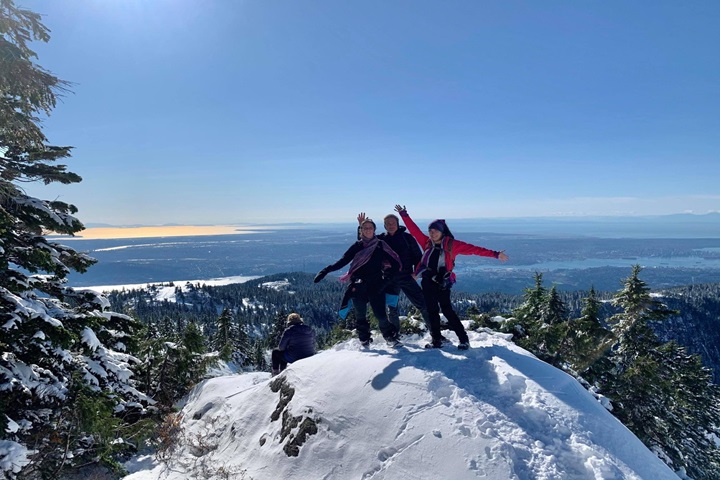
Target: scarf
429, 247
362, 257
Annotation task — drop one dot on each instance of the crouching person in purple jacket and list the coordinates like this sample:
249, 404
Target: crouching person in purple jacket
297, 342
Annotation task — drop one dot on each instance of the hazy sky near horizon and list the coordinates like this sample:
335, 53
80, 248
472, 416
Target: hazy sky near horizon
216, 112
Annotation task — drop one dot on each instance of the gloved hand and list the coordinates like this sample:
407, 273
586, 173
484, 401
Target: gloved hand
321, 274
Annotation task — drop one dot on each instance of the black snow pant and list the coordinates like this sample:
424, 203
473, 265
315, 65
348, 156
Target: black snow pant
279, 362
408, 285
376, 297
437, 299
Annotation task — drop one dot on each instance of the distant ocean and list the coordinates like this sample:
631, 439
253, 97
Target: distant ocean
155, 260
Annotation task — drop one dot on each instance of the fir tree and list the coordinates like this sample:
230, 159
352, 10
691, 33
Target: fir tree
224, 335
242, 346
552, 309
55, 341
588, 339
552, 333
277, 329
660, 393
527, 323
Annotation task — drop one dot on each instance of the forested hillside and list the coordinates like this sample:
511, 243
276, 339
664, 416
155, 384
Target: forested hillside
258, 302
697, 323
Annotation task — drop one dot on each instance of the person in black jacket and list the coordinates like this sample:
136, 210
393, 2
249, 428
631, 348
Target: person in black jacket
404, 280
297, 342
372, 262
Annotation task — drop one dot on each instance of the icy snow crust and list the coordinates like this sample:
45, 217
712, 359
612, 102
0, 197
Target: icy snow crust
493, 412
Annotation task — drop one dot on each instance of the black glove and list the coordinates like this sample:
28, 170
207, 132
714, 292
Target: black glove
321, 274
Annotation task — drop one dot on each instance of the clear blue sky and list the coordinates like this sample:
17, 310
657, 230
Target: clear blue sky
210, 111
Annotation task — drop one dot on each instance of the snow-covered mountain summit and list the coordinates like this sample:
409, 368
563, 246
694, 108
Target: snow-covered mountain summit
493, 412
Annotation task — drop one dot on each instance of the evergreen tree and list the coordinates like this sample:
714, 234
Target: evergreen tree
277, 328
632, 325
55, 342
552, 309
659, 392
552, 334
242, 353
224, 335
527, 322
193, 363
259, 359
588, 339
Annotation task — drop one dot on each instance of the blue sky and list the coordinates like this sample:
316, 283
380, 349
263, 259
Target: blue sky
212, 112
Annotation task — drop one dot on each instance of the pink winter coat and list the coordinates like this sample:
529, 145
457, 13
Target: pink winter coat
451, 247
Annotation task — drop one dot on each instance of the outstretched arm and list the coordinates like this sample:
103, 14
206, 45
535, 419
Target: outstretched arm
344, 260
464, 248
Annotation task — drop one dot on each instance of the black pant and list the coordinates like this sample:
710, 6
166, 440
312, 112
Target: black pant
436, 299
377, 303
411, 289
278, 360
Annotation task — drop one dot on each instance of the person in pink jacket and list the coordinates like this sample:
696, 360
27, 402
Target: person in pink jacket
436, 272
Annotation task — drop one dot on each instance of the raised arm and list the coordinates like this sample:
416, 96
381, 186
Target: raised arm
414, 230
360, 218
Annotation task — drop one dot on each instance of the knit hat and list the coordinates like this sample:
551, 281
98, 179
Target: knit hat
438, 225
294, 319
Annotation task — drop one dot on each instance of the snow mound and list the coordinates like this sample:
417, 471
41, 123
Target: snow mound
493, 412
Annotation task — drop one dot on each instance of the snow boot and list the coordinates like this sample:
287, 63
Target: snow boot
463, 346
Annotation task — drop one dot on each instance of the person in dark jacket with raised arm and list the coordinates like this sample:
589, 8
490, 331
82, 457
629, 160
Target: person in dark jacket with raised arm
404, 280
297, 342
436, 270
372, 262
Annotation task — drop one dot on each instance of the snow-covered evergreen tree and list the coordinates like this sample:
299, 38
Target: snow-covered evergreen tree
224, 334
665, 396
526, 322
588, 339
56, 344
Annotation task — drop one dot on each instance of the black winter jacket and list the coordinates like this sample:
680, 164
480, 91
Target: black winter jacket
297, 341
404, 245
372, 273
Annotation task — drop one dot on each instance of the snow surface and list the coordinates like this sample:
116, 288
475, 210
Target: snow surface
164, 290
494, 412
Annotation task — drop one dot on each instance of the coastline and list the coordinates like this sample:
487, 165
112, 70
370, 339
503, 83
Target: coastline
105, 233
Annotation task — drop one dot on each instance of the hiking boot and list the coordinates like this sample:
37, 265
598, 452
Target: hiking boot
394, 341
274, 372
366, 343
463, 346
445, 341
434, 344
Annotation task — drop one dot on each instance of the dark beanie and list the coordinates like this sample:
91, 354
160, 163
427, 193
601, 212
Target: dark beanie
438, 225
